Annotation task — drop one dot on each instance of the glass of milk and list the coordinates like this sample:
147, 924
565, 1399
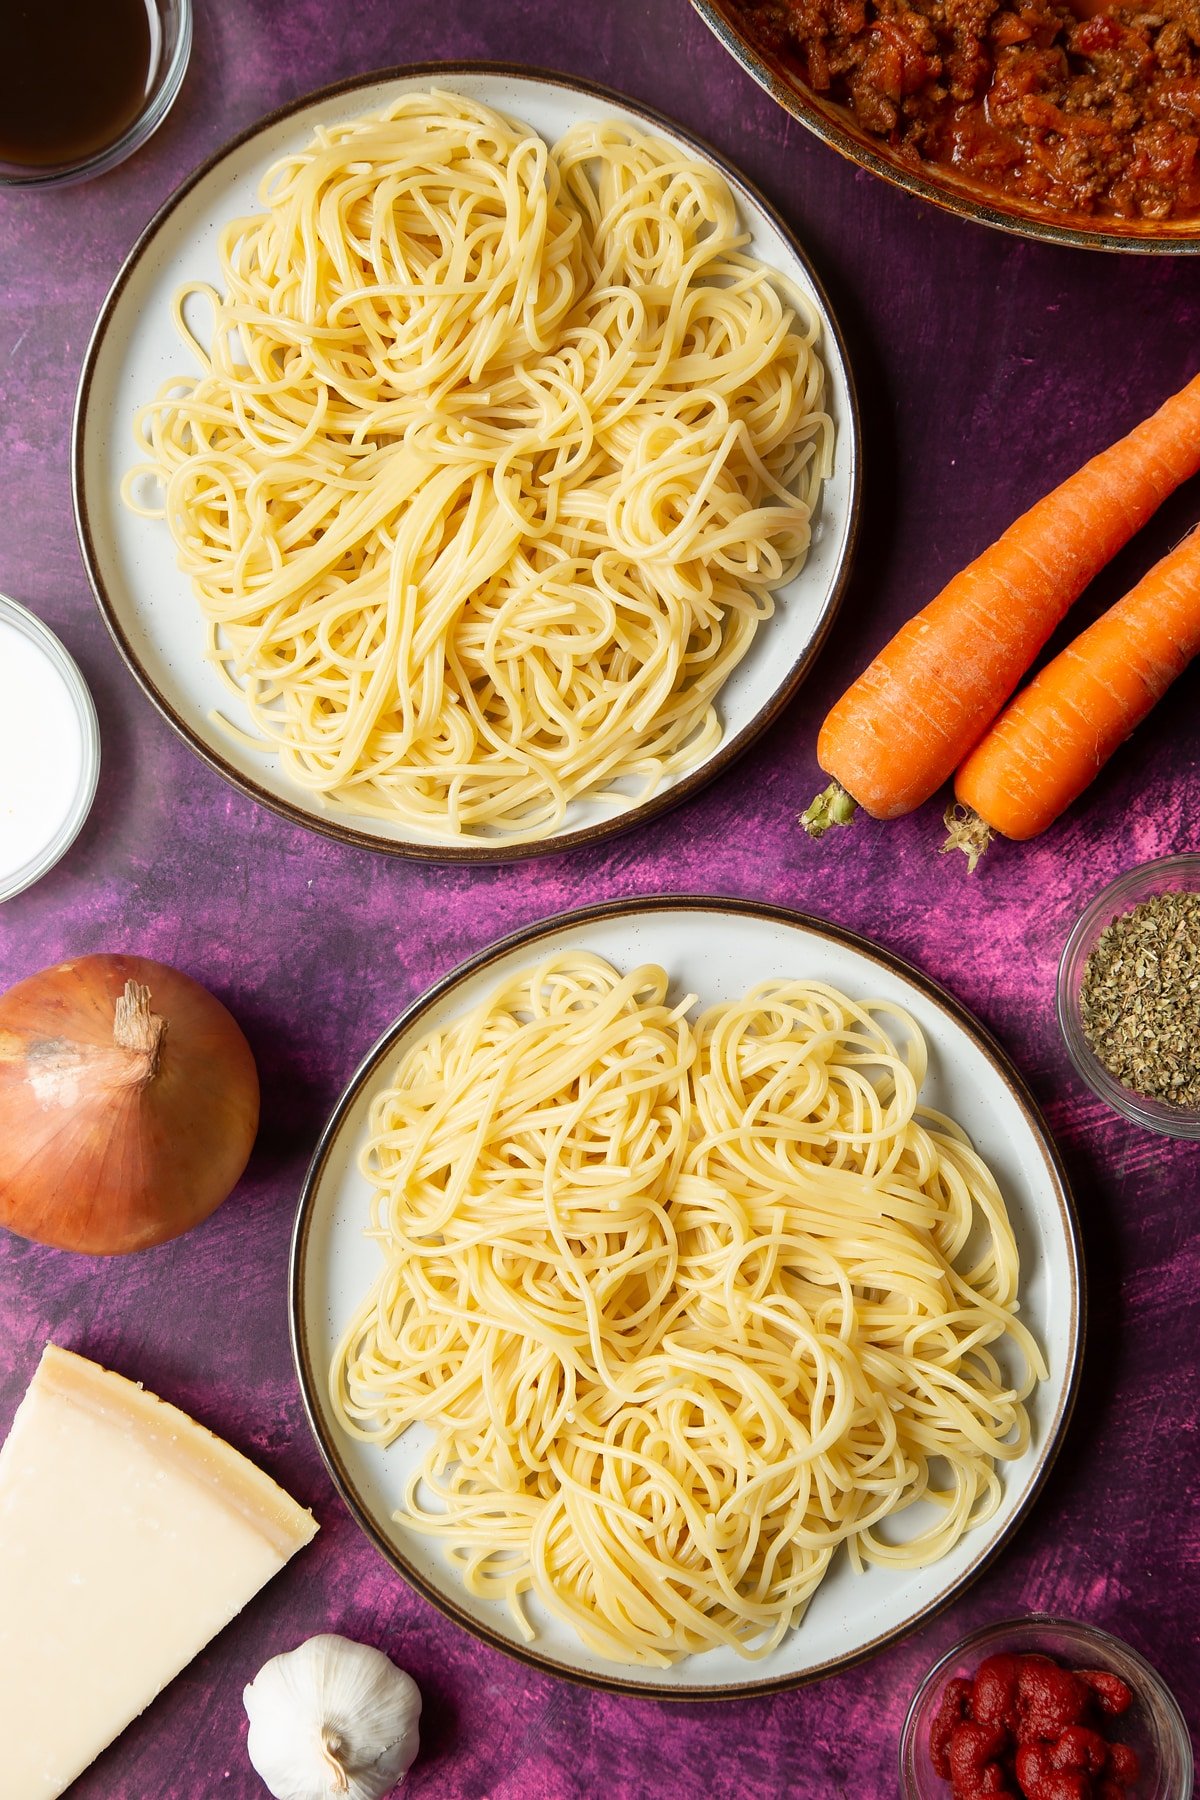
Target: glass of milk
49, 749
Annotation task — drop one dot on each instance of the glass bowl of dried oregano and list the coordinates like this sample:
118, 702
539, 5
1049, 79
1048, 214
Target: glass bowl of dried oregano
1129, 995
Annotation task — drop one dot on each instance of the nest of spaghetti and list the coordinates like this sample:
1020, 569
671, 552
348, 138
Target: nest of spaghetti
686, 1307
498, 454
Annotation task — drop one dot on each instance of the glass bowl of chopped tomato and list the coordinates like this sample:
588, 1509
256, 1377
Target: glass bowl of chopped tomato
1129, 994
1044, 1709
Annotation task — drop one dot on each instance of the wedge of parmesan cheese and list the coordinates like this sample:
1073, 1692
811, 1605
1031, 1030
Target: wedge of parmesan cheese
129, 1536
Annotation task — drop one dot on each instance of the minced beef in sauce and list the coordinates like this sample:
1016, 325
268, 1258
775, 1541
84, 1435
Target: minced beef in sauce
1081, 110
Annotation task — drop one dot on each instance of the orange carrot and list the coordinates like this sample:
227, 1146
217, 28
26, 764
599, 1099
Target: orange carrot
905, 725
1060, 731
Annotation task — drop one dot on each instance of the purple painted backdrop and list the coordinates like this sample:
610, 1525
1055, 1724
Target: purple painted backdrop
987, 369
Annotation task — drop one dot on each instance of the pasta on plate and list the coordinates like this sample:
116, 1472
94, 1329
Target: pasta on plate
687, 1305
498, 454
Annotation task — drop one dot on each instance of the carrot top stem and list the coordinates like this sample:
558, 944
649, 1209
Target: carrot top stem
967, 832
833, 806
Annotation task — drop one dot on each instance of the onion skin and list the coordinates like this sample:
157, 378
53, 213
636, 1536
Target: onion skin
113, 1143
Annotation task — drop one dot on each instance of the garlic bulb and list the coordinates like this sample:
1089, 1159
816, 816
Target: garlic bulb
333, 1720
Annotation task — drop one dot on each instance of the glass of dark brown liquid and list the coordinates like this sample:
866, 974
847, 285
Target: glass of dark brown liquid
83, 83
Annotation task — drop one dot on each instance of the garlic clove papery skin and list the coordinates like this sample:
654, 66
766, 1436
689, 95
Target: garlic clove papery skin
332, 1720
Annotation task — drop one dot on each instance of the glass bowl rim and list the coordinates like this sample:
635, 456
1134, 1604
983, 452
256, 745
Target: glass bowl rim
1042, 1622
1152, 1115
158, 103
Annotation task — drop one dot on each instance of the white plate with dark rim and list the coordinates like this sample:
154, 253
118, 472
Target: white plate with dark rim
716, 949
147, 603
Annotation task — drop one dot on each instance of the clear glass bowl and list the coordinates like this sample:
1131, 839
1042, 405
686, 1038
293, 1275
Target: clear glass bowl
171, 28
15, 880
1167, 873
1153, 1725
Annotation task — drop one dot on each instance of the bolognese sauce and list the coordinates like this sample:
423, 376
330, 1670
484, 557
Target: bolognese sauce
1082, 110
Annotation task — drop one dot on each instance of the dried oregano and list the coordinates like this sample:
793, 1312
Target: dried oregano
1140, 998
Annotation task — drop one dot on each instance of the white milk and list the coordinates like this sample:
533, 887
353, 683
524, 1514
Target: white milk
41, 749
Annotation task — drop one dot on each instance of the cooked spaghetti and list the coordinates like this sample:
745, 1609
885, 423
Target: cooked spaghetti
496, 459
685, 1306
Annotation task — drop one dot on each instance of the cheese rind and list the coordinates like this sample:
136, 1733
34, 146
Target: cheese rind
129, 1536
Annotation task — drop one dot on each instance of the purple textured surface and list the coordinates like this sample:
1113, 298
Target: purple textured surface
988, 368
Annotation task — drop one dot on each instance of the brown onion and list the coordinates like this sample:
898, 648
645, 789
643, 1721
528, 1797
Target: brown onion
128, 1104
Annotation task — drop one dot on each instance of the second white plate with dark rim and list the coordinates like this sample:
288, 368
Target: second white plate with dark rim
147, 603
716, 949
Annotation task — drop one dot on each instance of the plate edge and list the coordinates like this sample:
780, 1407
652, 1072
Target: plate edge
731, 749
767, 912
